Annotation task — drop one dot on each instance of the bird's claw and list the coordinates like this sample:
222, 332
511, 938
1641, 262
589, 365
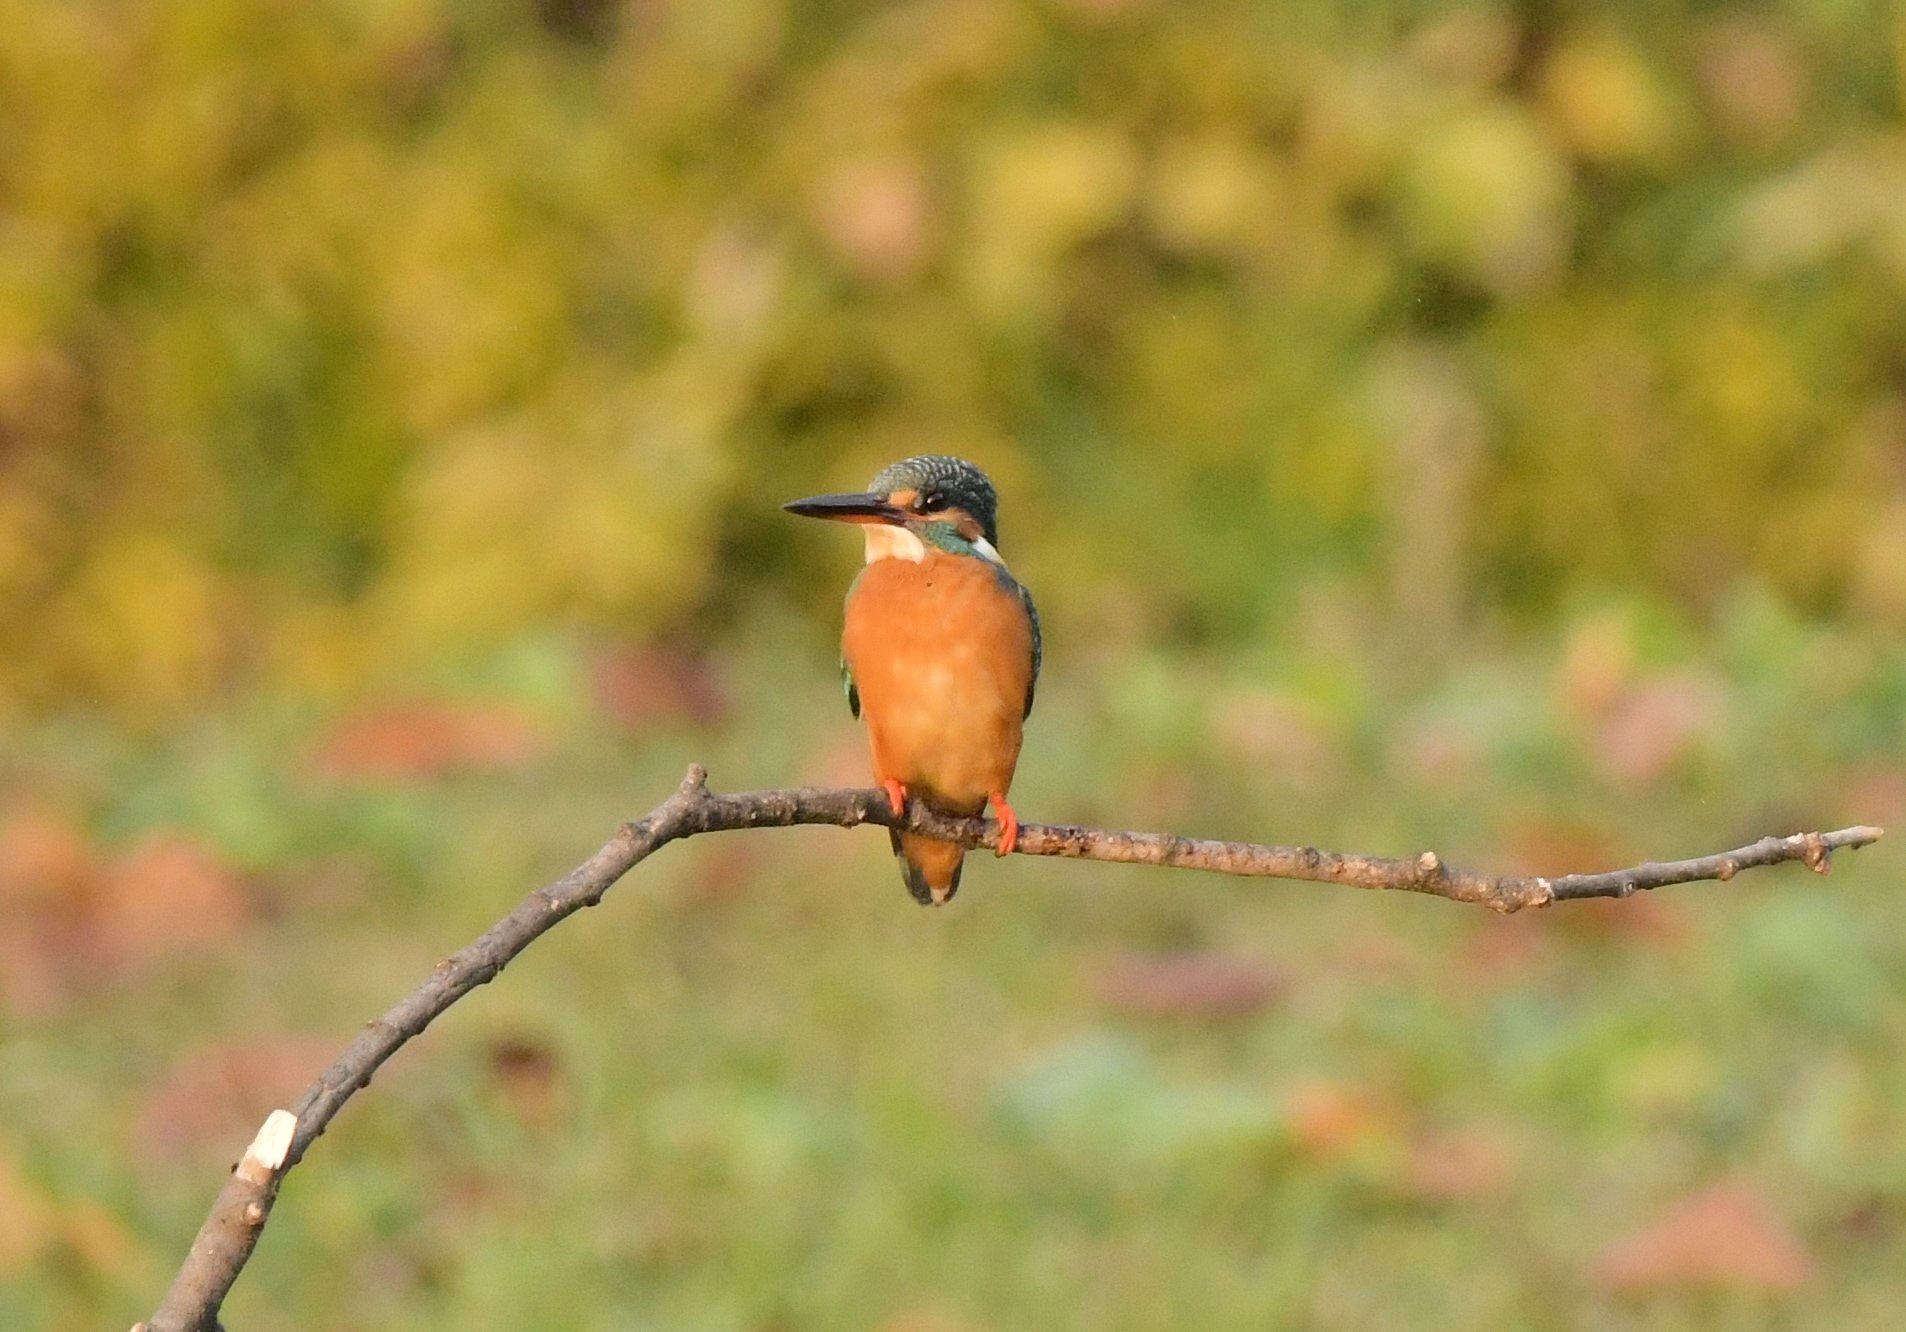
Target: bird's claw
896, 796
1008, 824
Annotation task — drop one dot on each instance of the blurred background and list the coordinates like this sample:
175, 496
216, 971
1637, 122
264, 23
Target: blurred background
1470, 426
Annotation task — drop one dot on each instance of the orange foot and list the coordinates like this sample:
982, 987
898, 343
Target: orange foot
896, 796
1008, 823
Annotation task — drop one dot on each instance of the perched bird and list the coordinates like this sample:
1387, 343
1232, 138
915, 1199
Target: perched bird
940, 652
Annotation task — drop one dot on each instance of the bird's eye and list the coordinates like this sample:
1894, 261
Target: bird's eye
932, 501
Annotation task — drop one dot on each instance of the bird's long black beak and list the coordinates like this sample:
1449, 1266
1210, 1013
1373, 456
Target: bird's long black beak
849, 509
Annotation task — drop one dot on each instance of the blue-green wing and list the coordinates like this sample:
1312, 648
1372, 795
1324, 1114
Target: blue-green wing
848, 688
847, 684
1038, 644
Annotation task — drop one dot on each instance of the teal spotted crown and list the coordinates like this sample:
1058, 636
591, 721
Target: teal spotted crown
944, 483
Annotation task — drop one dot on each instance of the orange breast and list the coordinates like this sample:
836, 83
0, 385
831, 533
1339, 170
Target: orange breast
942, 655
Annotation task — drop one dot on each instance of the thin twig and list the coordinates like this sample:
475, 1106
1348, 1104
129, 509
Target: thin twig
230, 1232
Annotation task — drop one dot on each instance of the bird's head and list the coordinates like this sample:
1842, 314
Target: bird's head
928, 497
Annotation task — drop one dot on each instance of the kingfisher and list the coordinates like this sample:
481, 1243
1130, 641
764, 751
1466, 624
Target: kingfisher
940, 653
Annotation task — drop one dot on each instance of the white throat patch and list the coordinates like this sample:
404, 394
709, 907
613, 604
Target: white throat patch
885, 542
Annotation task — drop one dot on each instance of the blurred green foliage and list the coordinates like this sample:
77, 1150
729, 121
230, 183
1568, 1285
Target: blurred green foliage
1478, 426
759, 1089
346, 335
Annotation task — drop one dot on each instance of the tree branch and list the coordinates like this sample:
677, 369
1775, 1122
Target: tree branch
225, 1242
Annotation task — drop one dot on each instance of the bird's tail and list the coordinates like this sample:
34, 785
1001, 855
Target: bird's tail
930, 868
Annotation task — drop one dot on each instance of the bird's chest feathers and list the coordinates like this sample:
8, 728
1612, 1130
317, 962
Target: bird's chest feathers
941, 651
938, 624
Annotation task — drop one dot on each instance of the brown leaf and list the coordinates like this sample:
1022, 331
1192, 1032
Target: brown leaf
75, 921
722, 872
45, 859
1501, 951
33, 979
1438, 754
1327, 1119
167, 895
1539, 844
46, 958
1377, 956
218, 1095
1874, 1219
416, 741
642, 686
1476, 45
1755, 77
49, 878
1645, 918
1458, 1166
1724, 1236
1277, 733
1874, 795
1655, 726
528, 1075
1207, 987
841, 761
1166, 790
876, 214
